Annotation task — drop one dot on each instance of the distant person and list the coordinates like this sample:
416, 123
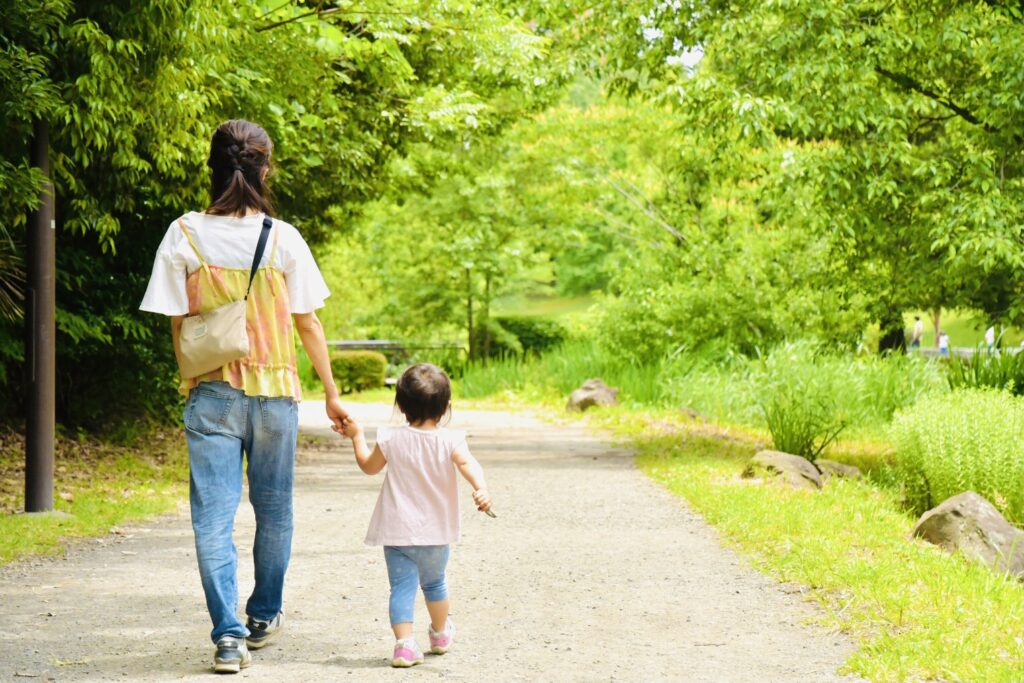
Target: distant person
943, 344
917, 334
242, 416
416, 518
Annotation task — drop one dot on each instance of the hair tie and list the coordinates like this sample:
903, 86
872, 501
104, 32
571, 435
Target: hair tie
237, 167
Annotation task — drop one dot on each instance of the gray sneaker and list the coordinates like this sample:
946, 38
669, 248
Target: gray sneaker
261, 632
232, 655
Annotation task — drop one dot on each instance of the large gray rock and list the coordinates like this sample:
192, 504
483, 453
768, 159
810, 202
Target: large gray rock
785, 467
594, 392
969, 523
831, 468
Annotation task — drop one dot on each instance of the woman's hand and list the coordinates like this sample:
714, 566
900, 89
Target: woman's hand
337, 413
312, 334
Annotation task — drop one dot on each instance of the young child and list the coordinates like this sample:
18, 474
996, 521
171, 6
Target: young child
416, 518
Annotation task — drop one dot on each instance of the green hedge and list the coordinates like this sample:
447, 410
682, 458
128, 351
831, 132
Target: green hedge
517, 336
358, 370
535, 335
492, 340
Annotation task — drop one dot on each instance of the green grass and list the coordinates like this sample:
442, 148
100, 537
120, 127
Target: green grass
550, 378
99, 486
554, 307
863, 391
917, 613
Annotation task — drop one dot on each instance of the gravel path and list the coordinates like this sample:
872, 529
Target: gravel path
589, 573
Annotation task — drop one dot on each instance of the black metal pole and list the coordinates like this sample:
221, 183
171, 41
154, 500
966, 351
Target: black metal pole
40, 341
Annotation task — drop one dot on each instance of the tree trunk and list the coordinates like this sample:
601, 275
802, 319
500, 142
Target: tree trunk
486, 317
894, 337
936, 320
469, 313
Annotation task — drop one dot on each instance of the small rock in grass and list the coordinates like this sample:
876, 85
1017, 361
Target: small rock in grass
831, 468
785, 467
969, 523
594, 392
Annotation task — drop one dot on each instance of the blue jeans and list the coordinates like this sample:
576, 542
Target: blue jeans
223, 426
410, 566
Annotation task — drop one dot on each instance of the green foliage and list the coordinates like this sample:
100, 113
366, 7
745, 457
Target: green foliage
344, 95
530, 213
801, 425
534, 334
516, 336
861, 392
799, 405
491, 339
552, 376
905, 164
837, 389
965, 440
358, 370
987, 368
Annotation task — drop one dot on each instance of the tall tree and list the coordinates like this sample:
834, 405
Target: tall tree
907, 117
134, 89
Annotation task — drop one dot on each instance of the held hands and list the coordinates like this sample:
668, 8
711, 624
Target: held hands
349, 427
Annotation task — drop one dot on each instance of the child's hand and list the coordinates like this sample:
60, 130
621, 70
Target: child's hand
482, 500
350, 428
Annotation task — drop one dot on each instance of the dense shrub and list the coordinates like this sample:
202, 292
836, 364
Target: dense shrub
987, 368
965, 439
750, 290
492, 340
358, 370
535, 334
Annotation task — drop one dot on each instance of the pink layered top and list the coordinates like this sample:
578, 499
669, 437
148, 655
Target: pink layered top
419, 500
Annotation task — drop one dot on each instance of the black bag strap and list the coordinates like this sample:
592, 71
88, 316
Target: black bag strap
261, 246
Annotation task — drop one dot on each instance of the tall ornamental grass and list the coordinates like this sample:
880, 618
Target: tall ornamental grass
987, 368
862, 390
799, 402
969, 439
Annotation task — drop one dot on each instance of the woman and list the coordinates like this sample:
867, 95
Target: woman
247, 408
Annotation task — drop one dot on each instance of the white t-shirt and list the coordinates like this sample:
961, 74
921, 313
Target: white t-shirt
419, 499
230, 242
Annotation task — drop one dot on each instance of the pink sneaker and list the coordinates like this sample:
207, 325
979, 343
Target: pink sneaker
407, 654
440, 641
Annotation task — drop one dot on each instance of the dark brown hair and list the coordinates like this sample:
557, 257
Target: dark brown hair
239, 159
423, 393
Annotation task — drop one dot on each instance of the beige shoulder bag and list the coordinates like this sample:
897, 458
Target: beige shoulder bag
215, 338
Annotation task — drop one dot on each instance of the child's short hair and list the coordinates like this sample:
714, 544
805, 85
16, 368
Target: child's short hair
423, 392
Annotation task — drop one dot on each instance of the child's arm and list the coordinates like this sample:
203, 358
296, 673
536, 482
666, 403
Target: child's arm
370, 462
470, 468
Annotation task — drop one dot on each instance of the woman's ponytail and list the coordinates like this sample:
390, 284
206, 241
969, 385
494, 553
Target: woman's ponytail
239, 162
